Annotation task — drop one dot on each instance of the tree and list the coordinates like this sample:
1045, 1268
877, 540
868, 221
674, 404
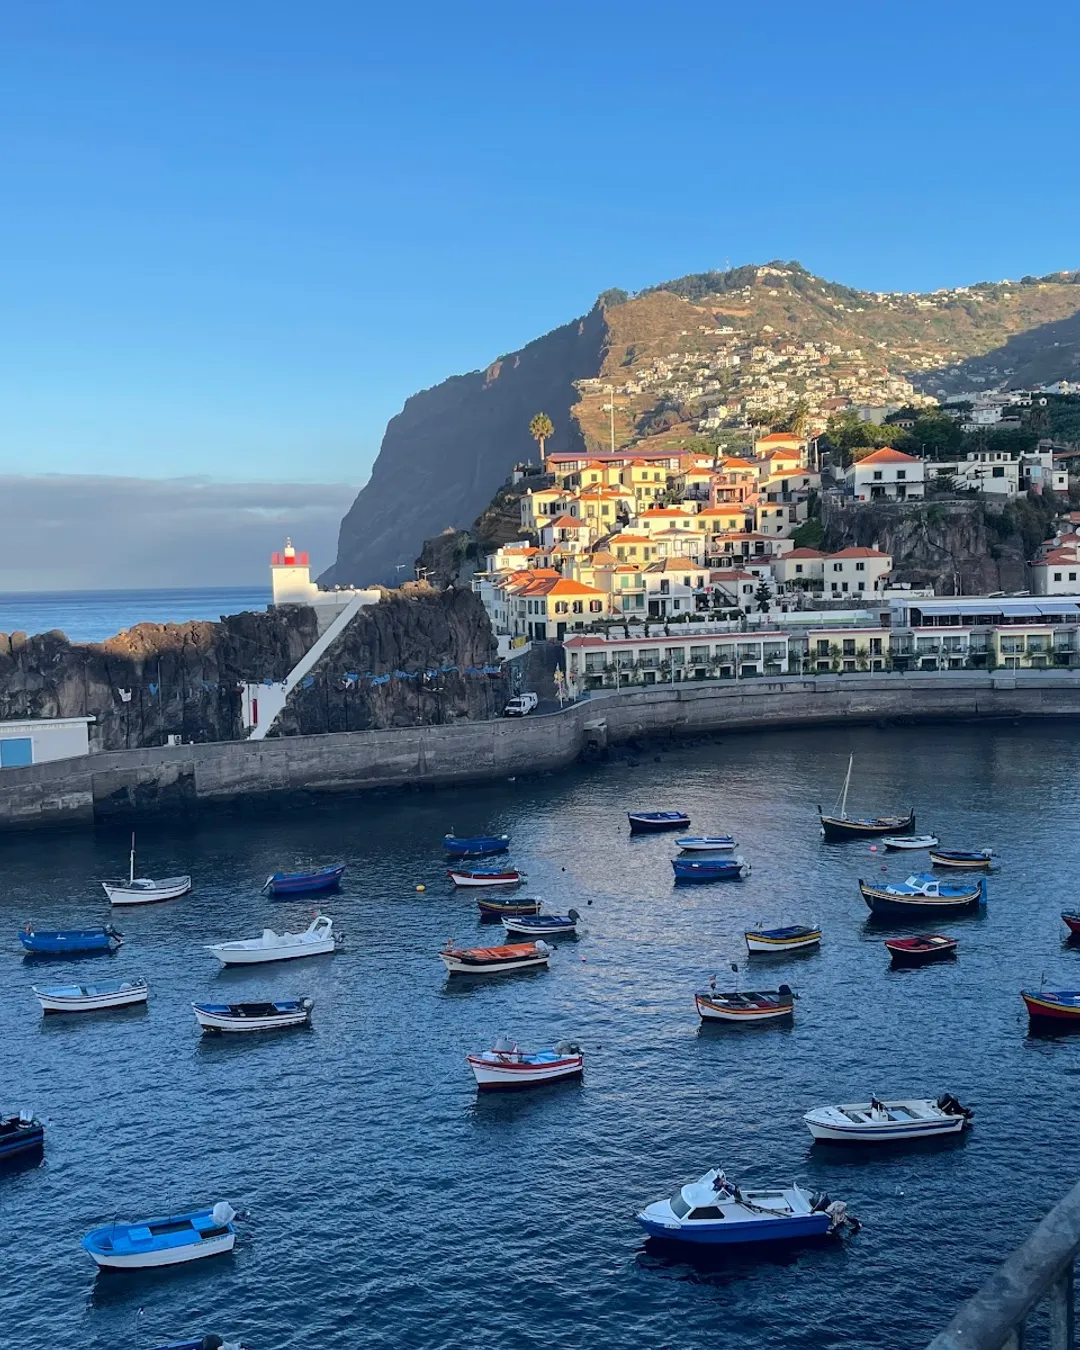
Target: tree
763, 596
540, 428
797, 420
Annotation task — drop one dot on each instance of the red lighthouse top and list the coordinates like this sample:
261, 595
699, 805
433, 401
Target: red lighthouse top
289, 557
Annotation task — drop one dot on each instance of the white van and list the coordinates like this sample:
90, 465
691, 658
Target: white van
521, 705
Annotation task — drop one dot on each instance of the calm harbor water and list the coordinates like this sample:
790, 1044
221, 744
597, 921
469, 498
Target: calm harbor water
93, 616
389, 1206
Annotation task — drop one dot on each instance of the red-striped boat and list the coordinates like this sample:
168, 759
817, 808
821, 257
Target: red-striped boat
1061, 1007
1072, 923
916, 951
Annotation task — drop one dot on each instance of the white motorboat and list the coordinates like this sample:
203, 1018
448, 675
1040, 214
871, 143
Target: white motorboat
879, 1122
896, 843
707, 843
244, 1017
505, 1066
65, 998
144, 890
318, 939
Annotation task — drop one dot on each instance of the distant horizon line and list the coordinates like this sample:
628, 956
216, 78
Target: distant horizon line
140, 590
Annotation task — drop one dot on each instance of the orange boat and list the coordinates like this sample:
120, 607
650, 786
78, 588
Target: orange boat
494, 960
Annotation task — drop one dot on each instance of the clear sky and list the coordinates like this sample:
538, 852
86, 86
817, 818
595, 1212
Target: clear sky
235, 236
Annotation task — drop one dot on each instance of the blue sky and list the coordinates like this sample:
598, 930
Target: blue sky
236, 236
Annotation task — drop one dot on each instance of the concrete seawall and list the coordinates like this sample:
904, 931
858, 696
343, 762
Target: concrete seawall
183, 781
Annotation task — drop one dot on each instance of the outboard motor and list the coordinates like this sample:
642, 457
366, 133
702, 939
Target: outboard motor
573, 914
785, 989
211, 1342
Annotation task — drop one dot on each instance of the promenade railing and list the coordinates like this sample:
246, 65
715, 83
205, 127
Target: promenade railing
1042, 1269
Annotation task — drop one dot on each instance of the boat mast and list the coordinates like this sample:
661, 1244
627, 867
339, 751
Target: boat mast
131, 860
847, 783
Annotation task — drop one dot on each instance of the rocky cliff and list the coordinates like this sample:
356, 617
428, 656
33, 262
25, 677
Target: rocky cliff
446, 452
421, 656
159, 680
957, 547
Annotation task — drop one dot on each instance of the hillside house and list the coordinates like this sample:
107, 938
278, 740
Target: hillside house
886, 474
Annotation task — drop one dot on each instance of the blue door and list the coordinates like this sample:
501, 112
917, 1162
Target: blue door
16, 750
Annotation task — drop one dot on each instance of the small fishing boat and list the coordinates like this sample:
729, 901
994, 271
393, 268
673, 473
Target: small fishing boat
1072, 923
710, 869
143, 890
918, 951
878, 1122
544, 925
70, 941
285, 1012
714, 1212
794, 938
923, 895
494, 960
1057, 1007
305, 883
506, 1067
962, 858
64, 998
651, 822
896, 843
318, 939
761, 1005
475, 846
840, 825
495, 907
707, 843
20, 1135
168, 1241
486, 877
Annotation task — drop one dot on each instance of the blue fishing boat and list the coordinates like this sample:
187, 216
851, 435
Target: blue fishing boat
713, 1212
168, 1241
70, 941
651, 822
707, 843
475, 846
710, 869
923, 896
305, 883
20, 1135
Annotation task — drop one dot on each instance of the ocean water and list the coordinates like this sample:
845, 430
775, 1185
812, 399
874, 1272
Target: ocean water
92, 616
388, 1205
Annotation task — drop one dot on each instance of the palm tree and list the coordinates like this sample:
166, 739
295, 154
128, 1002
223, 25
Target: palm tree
540, 428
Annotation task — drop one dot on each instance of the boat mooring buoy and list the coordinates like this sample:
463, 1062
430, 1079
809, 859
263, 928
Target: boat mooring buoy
421, 888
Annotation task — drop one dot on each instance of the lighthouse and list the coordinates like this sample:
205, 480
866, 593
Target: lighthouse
290, 577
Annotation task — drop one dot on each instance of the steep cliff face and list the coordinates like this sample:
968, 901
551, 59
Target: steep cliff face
450, 447
968, 548
154, 680
433, 645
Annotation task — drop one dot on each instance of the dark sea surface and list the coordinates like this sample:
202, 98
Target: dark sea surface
93, 616
389, 1206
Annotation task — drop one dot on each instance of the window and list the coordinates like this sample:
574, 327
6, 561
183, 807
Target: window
860, 567
679, 1207
877, 475
1072, 576
901, 473
1057, 576
704, 1212
798, 567
596, 606
998, 472
579, 608
849, 646
875, 646
838, 567
561, 607
686, 581
823, 646
862, 585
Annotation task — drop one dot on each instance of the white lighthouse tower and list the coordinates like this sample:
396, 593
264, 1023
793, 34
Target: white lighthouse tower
290, 577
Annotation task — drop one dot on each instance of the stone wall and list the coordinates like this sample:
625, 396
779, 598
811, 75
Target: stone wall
183, 781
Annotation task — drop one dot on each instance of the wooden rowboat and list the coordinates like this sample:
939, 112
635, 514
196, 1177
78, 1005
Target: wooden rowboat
495, 960
917, 951
747, 1006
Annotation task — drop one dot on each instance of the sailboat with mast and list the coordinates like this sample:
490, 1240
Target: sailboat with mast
840, 825
144, 890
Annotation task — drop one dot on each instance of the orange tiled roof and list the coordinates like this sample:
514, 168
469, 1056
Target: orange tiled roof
887, 455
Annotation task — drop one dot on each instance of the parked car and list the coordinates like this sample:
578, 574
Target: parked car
521, 705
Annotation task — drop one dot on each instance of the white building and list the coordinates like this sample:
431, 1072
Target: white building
291, 584
886, 474
33, 741
861, 573
994, 472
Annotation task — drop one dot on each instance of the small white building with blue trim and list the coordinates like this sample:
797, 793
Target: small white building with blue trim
36, 740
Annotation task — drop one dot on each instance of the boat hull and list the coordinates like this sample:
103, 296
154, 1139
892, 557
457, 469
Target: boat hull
918, 906
836, 829
894, 845
311, 884
944, 860
153, 1260
707, 844
642, 823
476, 847
494, 909
23, 1141
214, 1022
892, 1133
122, 893
712, 1010
522, 928
257, 956
54, 1002
688, 872
465, 879
759, 944
491, 1077
731, 1233
69, 944
456, 961
1072, 923
1041, 1009
920, 956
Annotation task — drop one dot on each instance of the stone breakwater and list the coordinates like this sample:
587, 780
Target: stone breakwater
184, 781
